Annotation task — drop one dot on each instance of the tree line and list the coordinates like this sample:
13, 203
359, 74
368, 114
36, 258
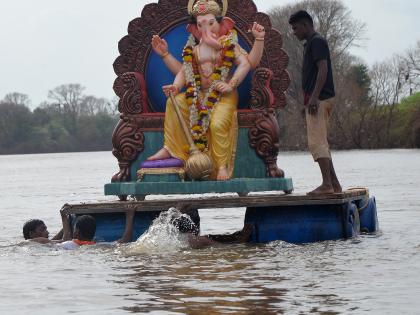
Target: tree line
377, 107
69, 122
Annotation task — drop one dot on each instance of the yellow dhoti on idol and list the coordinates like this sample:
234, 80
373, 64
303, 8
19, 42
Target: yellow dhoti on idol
222, 132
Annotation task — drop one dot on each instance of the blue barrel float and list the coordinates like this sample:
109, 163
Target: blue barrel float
307, 223
368, 215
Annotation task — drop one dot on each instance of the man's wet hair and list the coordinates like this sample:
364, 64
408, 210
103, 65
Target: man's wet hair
185, 225
31, 226
86, 225
300, 17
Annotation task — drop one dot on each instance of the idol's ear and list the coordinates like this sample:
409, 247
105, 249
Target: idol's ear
226, 25
193, 29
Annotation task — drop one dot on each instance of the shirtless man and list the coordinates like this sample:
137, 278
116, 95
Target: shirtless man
83, 231
35, 230
186, 226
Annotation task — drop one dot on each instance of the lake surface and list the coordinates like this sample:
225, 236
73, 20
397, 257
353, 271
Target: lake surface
375, 274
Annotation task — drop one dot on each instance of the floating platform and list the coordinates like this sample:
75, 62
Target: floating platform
293, 218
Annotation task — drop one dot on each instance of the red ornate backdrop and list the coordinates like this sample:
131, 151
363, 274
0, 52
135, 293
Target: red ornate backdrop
269, 84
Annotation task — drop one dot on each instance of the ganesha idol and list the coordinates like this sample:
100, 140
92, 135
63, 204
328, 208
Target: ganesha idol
210, 79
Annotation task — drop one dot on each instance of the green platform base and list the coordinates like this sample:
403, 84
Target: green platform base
241, 186
163, 178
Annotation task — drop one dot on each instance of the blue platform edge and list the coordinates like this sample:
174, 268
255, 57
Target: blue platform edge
110, 226
238, 185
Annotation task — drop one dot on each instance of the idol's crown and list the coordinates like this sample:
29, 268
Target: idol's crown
203, 7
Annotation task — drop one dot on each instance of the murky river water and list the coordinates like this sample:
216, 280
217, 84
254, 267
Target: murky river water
371, 274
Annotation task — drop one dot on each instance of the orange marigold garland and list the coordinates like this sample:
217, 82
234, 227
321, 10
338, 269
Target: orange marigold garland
201, 109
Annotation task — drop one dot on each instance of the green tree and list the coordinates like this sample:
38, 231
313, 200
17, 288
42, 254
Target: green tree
359, 73
15, 122
71, 121
17, 99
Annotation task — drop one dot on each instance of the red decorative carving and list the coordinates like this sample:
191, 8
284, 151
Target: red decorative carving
269, 84
261, 94
155, 121
158, 18
151, 121
131, 89
247, 118
264, 138
128, 142
128, 139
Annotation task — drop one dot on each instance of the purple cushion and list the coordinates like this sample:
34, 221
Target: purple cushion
172, 162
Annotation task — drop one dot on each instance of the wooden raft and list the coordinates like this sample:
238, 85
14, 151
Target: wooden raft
212, 202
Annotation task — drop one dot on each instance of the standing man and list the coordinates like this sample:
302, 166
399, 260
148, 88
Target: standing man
318, 89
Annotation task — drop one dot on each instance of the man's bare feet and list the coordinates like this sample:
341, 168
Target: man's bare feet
160, 155
222, 174
322, 190
337, 187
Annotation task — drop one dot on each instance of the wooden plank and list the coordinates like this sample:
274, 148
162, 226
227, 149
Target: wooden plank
206, 202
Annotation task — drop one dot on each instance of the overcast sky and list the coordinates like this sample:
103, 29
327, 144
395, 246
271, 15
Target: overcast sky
47, 43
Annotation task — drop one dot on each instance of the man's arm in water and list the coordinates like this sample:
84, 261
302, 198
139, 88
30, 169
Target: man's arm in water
196, 241
210, 240
58, 236
65, 219
44, 240
129, 223
39, 240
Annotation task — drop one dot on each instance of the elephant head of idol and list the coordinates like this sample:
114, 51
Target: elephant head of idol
208, 21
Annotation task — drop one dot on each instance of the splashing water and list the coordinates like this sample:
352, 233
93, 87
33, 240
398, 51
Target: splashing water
162, 236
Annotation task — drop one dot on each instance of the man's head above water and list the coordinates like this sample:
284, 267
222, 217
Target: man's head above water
35, 228
185, 225
84, 228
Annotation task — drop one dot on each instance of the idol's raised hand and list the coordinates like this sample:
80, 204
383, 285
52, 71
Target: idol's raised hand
258, 30
159, 45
